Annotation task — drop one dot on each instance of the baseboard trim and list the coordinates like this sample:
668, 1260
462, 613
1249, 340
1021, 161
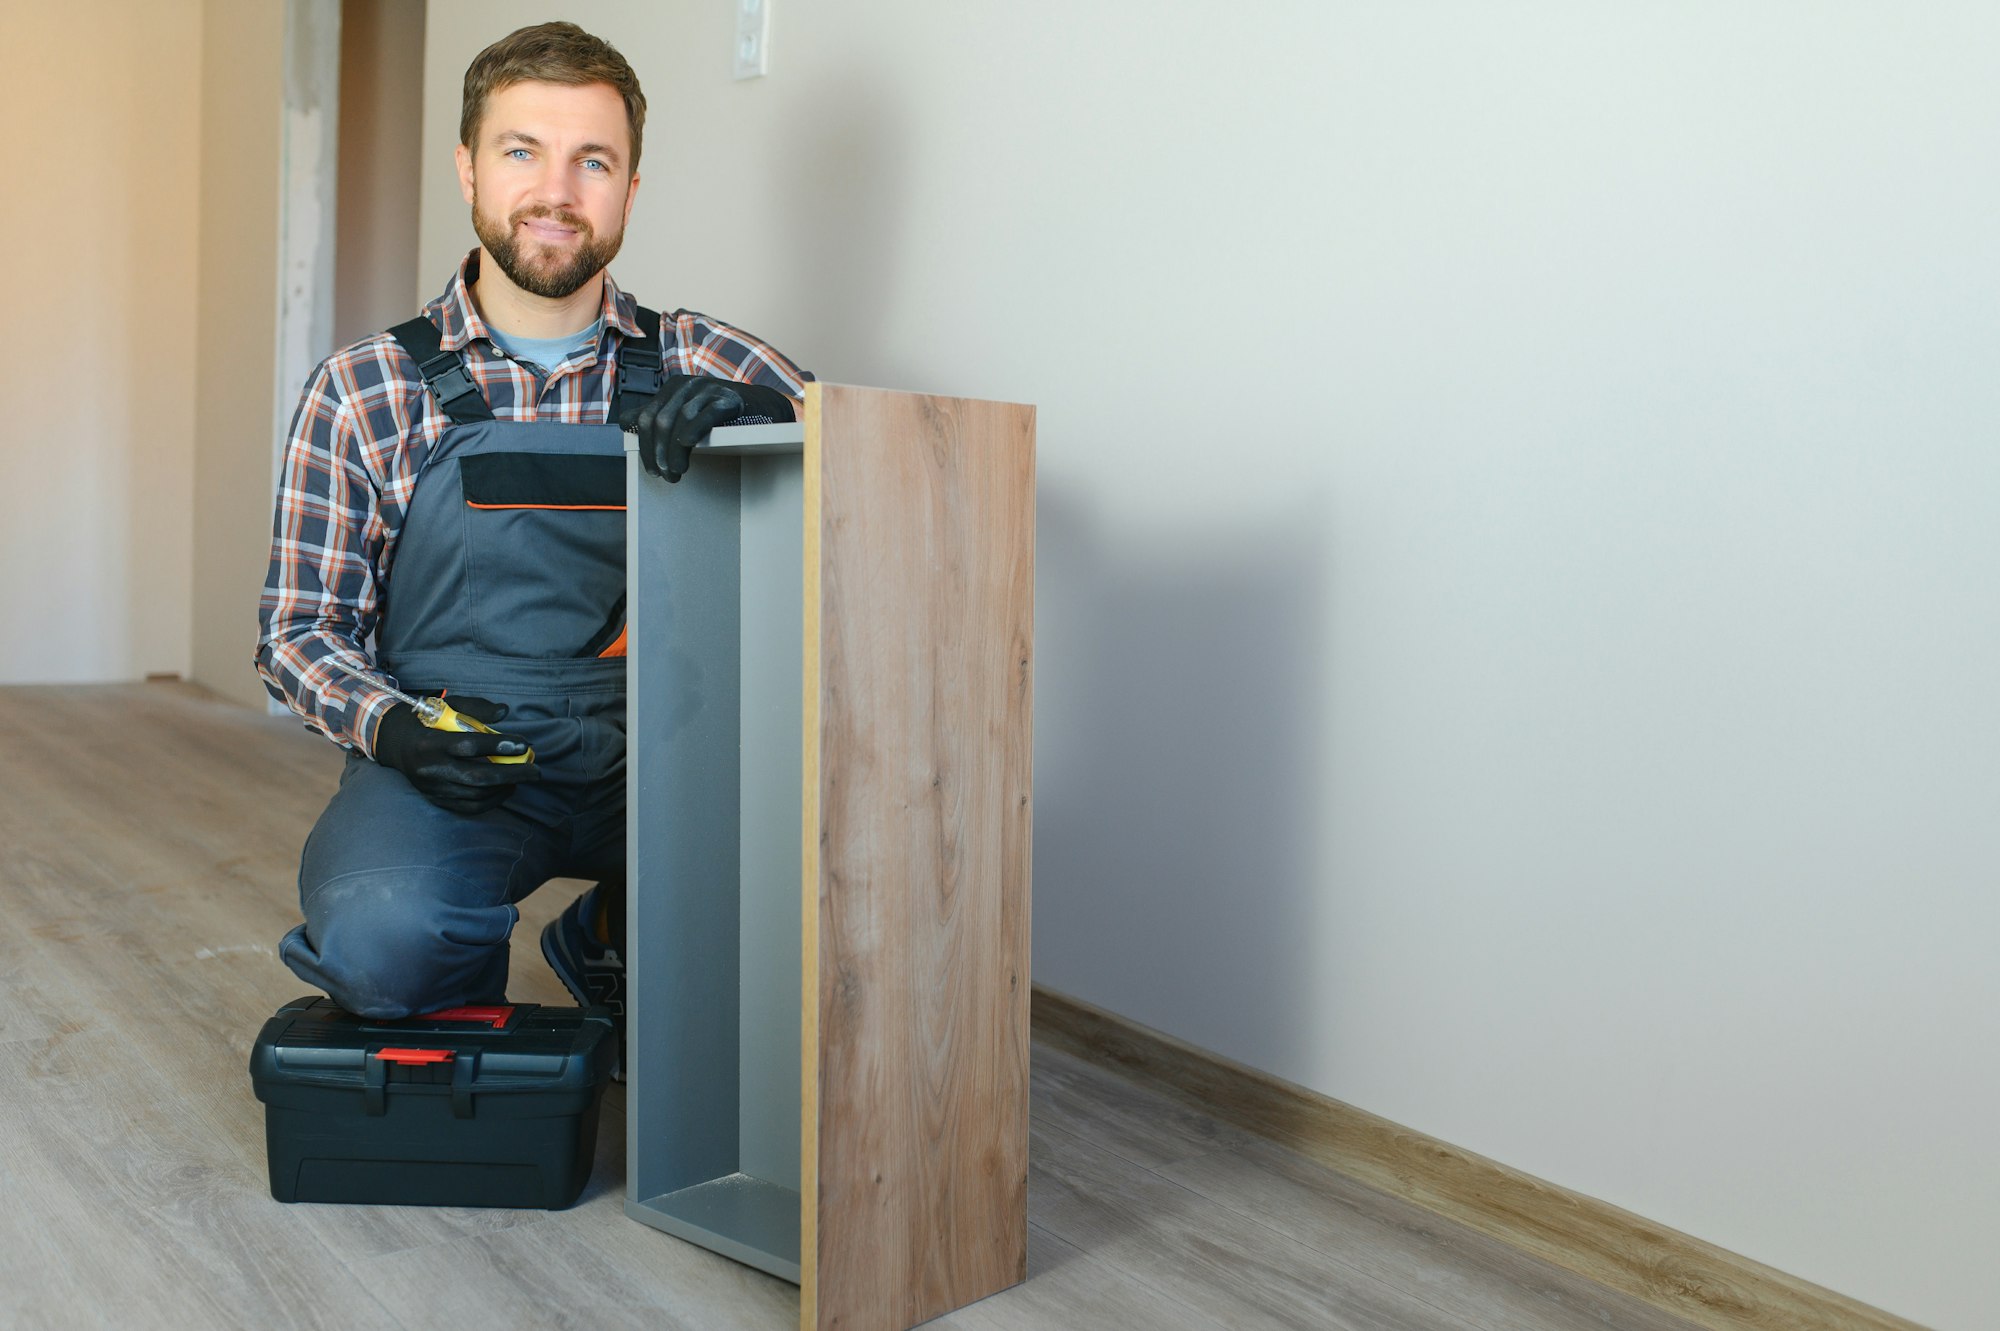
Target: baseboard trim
1672, 1271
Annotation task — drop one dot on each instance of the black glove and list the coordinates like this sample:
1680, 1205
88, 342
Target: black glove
678, 417
449, 767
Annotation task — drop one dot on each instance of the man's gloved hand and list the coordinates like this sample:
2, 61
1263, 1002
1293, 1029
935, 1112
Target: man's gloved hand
678, 417
449, 767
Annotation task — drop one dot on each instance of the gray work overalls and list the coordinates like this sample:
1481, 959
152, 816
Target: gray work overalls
509, 585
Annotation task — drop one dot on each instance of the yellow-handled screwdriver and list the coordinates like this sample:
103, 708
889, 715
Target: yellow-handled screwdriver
440, 715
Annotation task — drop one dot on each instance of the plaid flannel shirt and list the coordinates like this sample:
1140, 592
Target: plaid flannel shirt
356, 445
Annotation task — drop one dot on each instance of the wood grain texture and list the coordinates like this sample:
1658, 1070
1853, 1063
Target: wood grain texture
134, 1169
1068, 1288
1231, 1270
1455, 1269
1144, 1126
1465, 1276
1667, 1270
919, 913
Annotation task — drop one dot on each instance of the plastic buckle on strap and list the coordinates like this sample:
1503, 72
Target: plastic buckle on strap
446, 375
638, 370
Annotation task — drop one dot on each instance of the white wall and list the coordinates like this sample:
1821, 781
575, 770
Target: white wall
1517, 647
101, 102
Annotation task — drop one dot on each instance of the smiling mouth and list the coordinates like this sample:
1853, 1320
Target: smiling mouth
548, 230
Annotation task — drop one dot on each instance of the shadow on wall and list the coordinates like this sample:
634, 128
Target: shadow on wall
1180, 686
844, 200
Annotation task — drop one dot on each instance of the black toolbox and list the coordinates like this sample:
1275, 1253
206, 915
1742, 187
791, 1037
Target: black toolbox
477, 1106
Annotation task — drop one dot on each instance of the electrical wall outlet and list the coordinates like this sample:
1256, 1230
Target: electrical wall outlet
753, 38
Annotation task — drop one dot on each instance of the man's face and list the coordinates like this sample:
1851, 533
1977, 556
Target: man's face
550, 183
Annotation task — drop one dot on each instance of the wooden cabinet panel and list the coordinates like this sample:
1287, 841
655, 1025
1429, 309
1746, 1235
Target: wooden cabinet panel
918, 1202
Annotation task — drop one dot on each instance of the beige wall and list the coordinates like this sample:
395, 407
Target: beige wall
242, 99
97, 367
381, 114
1517, 506
135, 455
241, 404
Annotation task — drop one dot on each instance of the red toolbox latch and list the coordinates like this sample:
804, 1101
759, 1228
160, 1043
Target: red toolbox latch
414, 1055
375, 1082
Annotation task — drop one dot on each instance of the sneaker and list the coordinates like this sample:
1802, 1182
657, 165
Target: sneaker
593, 972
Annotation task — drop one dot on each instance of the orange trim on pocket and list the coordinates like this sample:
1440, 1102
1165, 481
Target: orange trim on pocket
566, 508
617, 648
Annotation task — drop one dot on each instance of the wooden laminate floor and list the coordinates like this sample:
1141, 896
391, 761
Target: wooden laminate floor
149, 839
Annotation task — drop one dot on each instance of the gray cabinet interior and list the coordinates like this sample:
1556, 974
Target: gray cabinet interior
715, 606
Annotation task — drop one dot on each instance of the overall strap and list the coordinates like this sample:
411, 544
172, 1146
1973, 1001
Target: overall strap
638, 367
444, 373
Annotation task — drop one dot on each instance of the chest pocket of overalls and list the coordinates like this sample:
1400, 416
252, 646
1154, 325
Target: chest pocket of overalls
545, 551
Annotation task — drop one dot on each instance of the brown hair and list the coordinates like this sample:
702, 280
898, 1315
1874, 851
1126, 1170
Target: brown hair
549, 53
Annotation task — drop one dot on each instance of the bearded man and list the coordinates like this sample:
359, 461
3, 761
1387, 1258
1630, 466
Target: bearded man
451, 516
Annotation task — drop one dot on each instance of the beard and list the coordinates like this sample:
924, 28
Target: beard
545, 270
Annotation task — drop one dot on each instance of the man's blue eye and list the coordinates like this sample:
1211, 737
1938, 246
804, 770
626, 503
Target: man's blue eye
592, 161
522, 151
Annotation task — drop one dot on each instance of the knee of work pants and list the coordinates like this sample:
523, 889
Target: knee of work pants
390, 942
406, 906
